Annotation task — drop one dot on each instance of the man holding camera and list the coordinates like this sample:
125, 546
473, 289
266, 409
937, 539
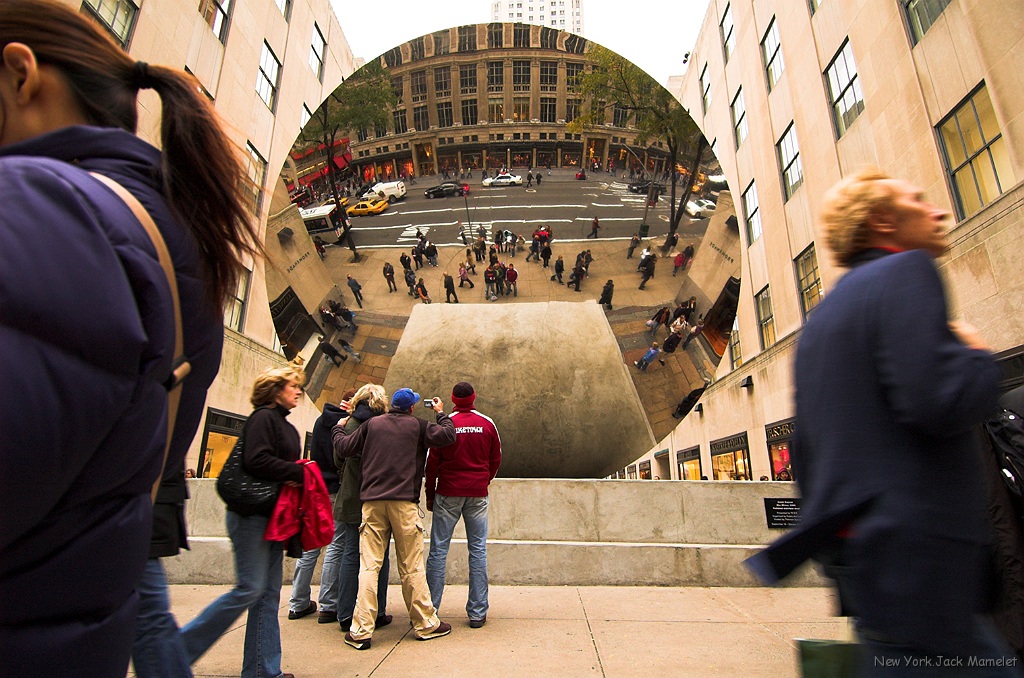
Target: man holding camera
394, 450
457, 480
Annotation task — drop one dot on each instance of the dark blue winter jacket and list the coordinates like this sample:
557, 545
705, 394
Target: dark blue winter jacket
86, 340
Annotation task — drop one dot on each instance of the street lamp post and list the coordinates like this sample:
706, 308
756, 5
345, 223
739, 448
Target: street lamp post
469, 219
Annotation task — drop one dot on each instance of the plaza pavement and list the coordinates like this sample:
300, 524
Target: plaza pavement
382, 319
562, 632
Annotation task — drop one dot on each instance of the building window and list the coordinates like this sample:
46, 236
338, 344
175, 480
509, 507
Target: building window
977, 160
393, 57
397, 86
442, 43
765, 317
469, 114
443, 81
921, 14
306, 115
420, 119
418, 86
705, 89
521, 109
286, 8
496, 109
730, 458
844, 89
256, 170
416, 49
267, 80
520, 76
495, 36
216, 13
495, 76
548, 38
234, 310
631, 472
750, 208
779, 437
572, 109
380, 131
620, 116
735, 352
362, 134
316, 53
771, 49
573, 74
467, 38
118, 16
728, 33
548, 109
401, 123
444, 114
688, 464
739, 117
548, 76
521, 35
467, 79
789, 161
809, 280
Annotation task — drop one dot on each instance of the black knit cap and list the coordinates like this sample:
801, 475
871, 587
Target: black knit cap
463, 394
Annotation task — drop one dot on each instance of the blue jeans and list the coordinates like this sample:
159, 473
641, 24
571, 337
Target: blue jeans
304, 567
257, 589
987, 656
348, 575
447, 511
159, 649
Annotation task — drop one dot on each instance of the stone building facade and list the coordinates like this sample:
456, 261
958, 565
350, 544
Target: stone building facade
265, 64
796, 94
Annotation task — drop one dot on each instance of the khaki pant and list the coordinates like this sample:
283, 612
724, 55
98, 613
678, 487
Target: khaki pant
381, 521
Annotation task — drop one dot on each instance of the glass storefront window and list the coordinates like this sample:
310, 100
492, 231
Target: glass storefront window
688, 464
219, 438
730, 458
645, 470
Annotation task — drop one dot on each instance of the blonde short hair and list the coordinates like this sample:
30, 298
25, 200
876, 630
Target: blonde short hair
374, 395
271, 381
848, 206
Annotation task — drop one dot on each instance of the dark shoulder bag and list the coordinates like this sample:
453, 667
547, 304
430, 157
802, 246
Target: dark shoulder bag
242, 492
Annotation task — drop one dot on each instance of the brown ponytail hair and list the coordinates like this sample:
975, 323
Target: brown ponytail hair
204, 180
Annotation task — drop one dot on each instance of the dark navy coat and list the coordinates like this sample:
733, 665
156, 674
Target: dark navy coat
86, 337
886, 400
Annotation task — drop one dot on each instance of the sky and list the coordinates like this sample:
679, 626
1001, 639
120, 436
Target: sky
653, 34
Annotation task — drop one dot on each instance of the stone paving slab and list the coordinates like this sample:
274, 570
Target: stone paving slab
556, 631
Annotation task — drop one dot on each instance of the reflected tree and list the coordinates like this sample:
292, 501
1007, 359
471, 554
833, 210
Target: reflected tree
364, 101
615, 81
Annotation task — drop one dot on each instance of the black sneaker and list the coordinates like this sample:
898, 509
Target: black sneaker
346, 624
383, 620
299, 614
357, 644
327, 617
442, 629
477, 623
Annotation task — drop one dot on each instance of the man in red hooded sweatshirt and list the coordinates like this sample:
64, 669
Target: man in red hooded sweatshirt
457, 477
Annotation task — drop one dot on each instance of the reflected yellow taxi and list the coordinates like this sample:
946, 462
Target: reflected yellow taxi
364, 207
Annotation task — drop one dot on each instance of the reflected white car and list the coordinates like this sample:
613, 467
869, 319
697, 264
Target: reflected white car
503, 180
700, 208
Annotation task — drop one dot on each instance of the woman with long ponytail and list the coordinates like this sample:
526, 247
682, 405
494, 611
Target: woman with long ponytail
87, 331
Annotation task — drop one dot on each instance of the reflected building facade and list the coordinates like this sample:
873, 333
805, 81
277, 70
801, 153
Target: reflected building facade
488, 96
